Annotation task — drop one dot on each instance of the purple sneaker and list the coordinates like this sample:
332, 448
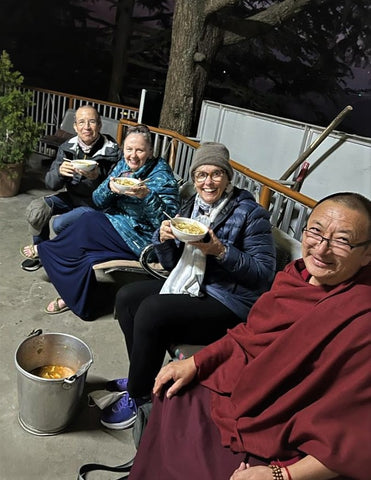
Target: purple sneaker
121, 414
118, 385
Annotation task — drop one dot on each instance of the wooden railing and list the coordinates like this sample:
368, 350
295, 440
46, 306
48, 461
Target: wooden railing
289, 209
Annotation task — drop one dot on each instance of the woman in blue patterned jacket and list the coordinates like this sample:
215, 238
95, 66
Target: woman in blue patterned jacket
212, 284
121, 229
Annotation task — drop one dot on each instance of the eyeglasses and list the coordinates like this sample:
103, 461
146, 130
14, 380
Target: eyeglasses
82, 123
335, 245
215, 176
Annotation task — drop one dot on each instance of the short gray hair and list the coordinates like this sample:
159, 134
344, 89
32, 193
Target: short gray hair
143, 130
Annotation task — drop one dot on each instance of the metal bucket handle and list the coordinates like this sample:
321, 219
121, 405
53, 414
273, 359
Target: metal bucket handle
35, 333
70, 380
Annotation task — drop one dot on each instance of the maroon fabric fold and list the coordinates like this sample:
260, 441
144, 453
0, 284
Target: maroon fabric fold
181, 442
297, 380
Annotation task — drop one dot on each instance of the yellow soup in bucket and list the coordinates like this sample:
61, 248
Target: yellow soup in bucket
53, 372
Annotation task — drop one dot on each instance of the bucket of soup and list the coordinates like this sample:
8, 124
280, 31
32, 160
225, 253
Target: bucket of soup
51, 374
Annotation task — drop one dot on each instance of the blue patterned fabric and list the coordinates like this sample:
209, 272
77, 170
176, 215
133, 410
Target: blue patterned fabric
133, 218
121, 229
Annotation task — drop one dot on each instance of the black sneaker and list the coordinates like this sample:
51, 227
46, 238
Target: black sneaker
31, 264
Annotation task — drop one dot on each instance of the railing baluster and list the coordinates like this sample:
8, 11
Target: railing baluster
289, 210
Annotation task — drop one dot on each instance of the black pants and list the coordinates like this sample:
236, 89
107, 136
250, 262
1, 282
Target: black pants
151, 322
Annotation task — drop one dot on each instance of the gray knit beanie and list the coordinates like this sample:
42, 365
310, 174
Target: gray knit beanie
212, 153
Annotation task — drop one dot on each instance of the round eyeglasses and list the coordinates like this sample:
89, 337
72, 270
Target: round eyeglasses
82, 123
215, 176
335, 245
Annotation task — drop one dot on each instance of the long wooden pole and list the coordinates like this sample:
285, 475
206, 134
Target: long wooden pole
317, 142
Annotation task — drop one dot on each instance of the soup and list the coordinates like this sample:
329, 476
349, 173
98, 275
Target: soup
125, 181
53, 372
190, 228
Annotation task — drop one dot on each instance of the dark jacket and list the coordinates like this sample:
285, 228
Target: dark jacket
248, 267
106, 152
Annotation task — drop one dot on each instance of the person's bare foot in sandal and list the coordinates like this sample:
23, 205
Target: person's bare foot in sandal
58, 305
32, 261
30, 251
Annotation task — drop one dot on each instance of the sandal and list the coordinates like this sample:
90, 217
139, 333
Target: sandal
33, 254
31, 264
56, 307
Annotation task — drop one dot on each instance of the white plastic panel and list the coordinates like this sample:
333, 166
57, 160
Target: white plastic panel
270, 145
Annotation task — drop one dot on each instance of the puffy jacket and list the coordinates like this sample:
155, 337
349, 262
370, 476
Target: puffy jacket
248, 267
136, 219
105, 151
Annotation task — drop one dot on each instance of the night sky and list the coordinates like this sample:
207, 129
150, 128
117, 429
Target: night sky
358, 121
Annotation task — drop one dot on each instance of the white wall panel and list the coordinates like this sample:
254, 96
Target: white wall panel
270, 145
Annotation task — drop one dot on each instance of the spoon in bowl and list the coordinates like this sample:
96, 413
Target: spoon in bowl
168, 216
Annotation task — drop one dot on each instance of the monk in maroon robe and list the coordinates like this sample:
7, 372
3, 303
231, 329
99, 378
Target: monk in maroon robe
287, 395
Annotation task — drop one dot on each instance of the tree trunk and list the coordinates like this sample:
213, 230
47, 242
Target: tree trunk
193, 47
178, 106
120, 48
209, 46
198, 28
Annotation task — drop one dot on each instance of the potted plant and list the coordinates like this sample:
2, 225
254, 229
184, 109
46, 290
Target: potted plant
18, 132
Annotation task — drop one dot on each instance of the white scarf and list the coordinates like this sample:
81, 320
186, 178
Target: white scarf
188, 274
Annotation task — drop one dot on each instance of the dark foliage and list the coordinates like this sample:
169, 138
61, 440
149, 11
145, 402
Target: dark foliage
303, 69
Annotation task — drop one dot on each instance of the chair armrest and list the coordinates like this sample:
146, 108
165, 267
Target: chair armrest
150, 263
57, 139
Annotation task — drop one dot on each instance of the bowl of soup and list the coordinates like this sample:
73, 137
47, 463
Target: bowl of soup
125, 183
188, 229
84, 165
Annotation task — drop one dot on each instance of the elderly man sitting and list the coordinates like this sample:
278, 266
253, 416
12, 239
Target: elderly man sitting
287, 395
78, 185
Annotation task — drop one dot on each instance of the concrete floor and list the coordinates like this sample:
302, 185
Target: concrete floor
23, 296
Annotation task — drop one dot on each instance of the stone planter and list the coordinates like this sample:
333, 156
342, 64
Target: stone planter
10, 179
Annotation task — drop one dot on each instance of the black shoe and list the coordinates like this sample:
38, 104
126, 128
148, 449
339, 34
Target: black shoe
31, 264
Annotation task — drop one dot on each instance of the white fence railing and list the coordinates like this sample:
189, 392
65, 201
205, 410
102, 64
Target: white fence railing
289, 209
49, 107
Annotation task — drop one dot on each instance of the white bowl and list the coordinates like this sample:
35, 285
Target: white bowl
125, 183
180, 227
84, 165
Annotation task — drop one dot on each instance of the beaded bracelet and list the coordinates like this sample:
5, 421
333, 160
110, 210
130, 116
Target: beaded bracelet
276, 472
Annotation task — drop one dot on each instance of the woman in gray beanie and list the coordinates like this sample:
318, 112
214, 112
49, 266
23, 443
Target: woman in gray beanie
237, 264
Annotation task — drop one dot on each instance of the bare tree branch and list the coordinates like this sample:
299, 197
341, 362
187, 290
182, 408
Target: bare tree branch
214, 6
237, 29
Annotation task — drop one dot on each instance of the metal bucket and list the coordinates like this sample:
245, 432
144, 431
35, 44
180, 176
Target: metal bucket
47, 406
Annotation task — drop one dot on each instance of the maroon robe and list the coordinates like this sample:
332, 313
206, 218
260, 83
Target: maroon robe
297, 377
294, 381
